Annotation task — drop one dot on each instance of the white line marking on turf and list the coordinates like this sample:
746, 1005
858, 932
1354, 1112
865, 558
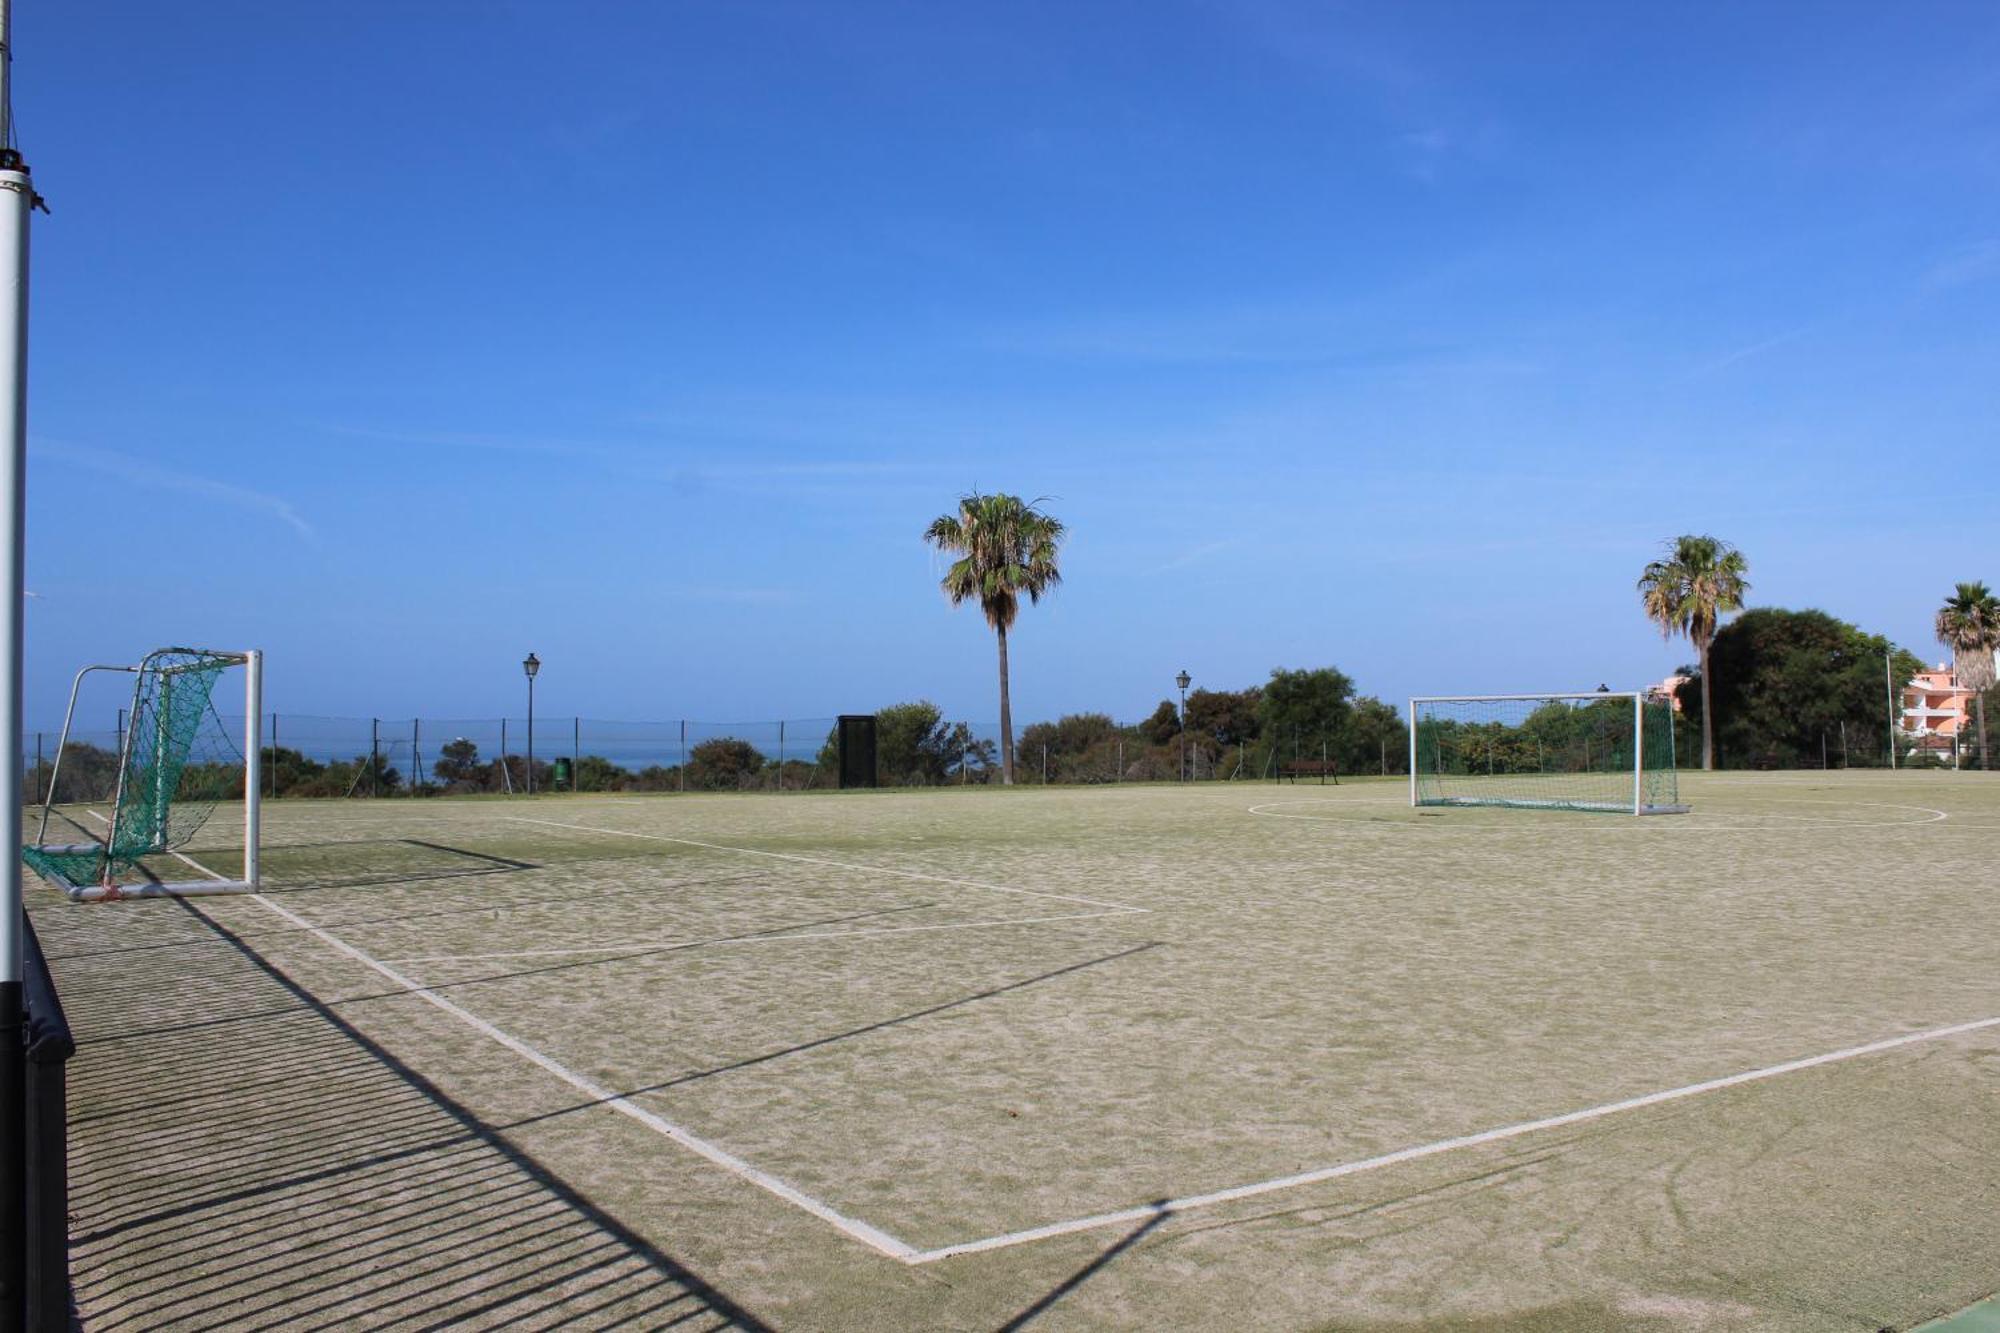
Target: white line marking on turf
1498, 1135
873, 1237
822, 861
884, 1243
1277, 809
665, 946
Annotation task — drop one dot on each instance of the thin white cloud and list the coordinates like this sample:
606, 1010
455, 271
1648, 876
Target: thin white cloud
1194, 555
507, 444
151, 476
1975, 263
734, 596
1744, 353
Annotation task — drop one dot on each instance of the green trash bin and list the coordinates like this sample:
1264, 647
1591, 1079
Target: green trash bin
562, 774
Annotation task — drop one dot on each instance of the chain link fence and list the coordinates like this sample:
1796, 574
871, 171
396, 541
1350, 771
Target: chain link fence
315, 755
311, 755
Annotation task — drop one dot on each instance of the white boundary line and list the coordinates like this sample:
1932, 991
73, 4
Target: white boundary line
873, 1237
668, 946
822, 861
884, 1243
1272, 810
1498, 1135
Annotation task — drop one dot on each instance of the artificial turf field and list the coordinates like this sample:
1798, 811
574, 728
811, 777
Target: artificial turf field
1221, 1056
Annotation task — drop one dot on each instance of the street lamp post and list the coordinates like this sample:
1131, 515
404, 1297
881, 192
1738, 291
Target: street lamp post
1182, 680
531, 665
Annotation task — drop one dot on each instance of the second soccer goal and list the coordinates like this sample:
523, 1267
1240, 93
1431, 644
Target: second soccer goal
1612, 753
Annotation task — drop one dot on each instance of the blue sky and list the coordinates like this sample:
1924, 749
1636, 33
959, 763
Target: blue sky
399, 340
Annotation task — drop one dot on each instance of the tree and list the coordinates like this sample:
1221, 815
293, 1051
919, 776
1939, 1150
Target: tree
1701, 579
1007, 548
1082, 747
914, 744
1228, 715
1969, 624
1163, 725
1307, 710
285, 769
1377, 738
593, 772
458, 762
723, 763
1788, 681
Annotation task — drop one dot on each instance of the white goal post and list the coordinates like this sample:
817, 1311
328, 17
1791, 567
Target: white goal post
1588, 750
176, 761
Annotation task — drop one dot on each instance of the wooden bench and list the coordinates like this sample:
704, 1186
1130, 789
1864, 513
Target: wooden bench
1293, 769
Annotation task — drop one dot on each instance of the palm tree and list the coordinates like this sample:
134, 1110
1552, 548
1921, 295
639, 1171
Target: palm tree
1686, 593
1006, 547
1969, 624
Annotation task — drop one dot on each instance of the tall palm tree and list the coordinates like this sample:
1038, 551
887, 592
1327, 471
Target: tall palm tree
1700, 579
1006, 547
1969, 624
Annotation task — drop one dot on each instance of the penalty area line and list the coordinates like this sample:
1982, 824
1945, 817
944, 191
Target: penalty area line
670, 946
823, 861
873, 1237
1497, 1135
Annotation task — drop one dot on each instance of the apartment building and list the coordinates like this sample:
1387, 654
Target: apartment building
1937, 713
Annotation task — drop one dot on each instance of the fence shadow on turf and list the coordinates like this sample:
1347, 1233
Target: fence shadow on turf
120, 996
851, 1033
1084, 1274
452, 908
276, 1166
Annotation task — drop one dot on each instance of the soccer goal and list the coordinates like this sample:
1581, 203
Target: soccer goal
1597, 751
175, 761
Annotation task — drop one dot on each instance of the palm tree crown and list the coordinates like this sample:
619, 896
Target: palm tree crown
1969, 624
1007, 547
1688, 592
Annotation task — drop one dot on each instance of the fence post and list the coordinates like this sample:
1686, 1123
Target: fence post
682, 772
575, 749
781, 754
274, 756
1045, 763
416, 754
374, 753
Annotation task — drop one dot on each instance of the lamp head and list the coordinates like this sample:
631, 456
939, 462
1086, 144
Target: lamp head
531, 665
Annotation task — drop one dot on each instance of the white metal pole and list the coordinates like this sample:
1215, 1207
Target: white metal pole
253, 763
1889, 690
162, 713
1638, 753
17, 200
1413, 752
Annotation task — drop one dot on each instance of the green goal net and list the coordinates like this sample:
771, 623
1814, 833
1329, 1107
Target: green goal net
1603, 752
176, 762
